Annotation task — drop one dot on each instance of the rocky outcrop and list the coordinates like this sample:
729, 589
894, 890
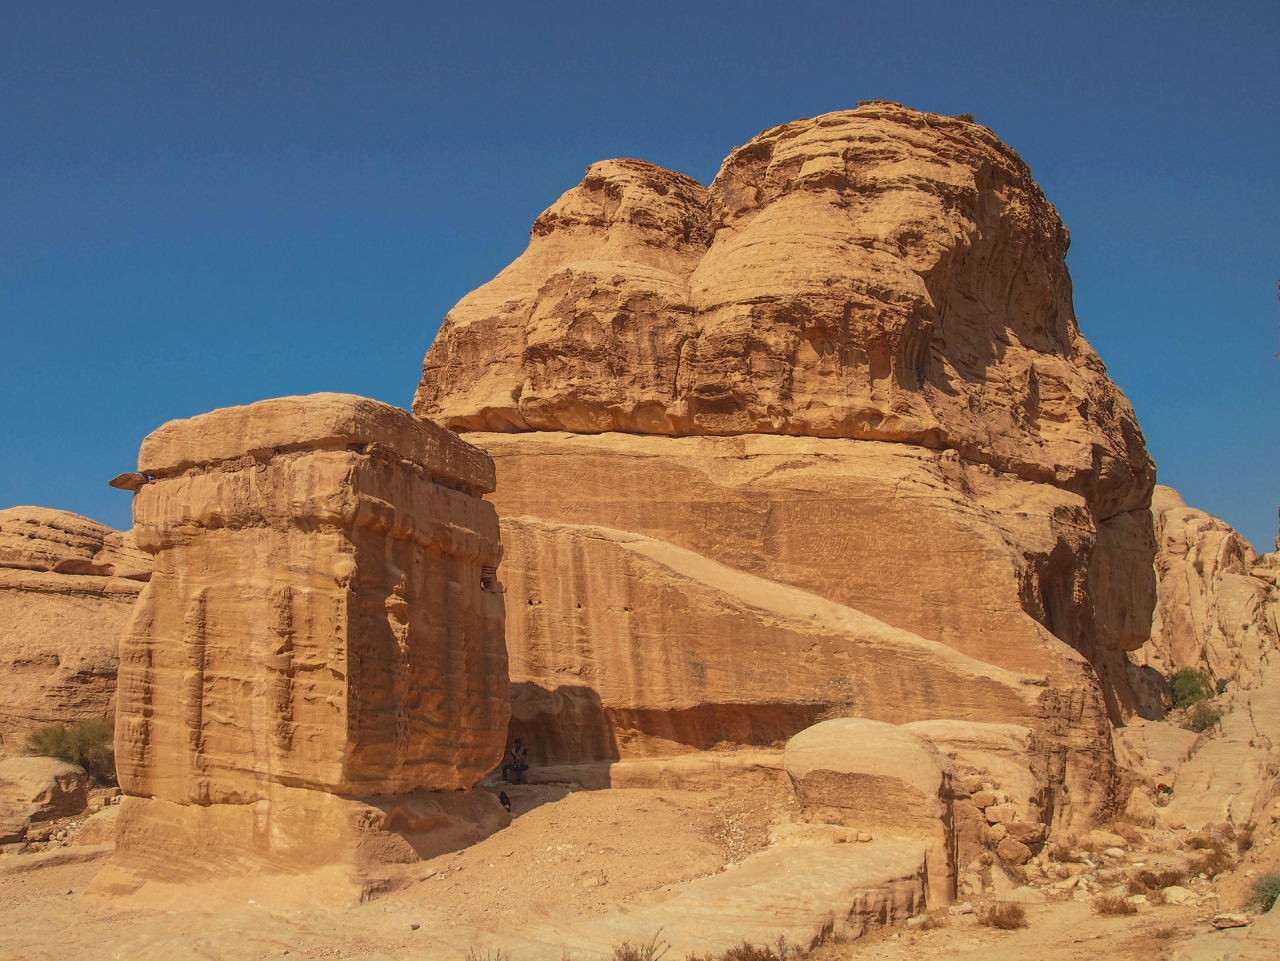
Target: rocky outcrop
877, 273
1217, 598
38, 789
319, 653
848, 371
66, 587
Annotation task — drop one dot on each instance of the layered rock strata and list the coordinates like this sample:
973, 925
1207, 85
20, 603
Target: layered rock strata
315, 673
67, 584
850, 369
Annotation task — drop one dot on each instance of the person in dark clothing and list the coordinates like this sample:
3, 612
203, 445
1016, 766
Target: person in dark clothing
504, 800
517, 761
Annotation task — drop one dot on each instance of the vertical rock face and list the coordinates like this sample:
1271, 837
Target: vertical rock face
66, 587
320, 623
850, 368
1217, 598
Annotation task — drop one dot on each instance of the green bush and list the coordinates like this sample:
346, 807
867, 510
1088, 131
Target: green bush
1201, 716
1189, 686
91, 744
1266, 890
966, 117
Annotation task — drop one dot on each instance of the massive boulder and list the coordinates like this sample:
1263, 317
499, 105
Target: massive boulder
315, 673
67, 584
851, 368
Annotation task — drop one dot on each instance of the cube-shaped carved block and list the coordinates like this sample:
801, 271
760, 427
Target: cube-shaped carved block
323, 613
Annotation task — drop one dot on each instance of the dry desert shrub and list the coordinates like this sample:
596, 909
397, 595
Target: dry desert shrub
1244, 839
1164, 934
1201, 716
651, 951
1113, 904
499, 955
1215, 862
1063, 856
1006, 917
1266, 890
929, 922
91, 744
746, 951
1148, 882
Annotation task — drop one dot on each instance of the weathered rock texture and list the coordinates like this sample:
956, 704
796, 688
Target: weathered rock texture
881, 780
1217, 599
719, 371
38, 789
66, 587
320, 626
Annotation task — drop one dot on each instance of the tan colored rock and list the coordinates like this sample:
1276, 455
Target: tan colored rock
99, 828
321, 621
38, 789
876, 273
1217, 599
851, 368
66, 587
875, 777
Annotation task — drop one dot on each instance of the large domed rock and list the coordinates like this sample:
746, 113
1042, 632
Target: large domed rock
850, 368
877, 273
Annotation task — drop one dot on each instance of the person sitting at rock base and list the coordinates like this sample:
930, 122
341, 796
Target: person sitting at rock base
518, 761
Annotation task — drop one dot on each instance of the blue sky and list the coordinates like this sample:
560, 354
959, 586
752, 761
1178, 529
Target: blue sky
209, 204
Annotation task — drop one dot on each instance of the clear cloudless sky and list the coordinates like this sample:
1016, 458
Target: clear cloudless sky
205, 204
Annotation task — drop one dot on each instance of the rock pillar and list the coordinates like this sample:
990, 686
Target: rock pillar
316, 673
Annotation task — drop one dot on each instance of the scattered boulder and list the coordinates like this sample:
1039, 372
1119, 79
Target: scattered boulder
38, 789
99, 828
877, 778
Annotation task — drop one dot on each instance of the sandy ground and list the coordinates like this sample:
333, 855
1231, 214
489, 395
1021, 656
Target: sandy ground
567, 853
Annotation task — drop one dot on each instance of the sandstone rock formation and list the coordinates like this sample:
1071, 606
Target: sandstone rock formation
850, 368
1217, 606
319, 651
38, 789
881, 780
66, 587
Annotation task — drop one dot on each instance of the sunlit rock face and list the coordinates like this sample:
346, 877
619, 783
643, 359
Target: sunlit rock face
849, 369
321, 625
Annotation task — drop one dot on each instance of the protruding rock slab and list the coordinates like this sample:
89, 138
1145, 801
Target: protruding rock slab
788, 892
321, 621
67, 584
880, 779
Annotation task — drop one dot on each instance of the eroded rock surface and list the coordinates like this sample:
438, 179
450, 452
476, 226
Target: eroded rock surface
67, 584
38, 789
849, 369
321, 626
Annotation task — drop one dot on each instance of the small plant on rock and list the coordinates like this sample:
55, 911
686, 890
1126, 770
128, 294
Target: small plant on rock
966, 117
1005, 916
1244, 839
91, 744
1189, 686
1214, 862
1266, 890
1201, 716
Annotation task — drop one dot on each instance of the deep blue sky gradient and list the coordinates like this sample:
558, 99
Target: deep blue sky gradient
209, 204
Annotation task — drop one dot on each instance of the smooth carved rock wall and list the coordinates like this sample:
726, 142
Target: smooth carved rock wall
878, 273
319, 624
766, 582
67, 585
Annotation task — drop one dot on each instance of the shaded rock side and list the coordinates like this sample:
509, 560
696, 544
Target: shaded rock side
321, 621
1217, 607
67, 585
879, 273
